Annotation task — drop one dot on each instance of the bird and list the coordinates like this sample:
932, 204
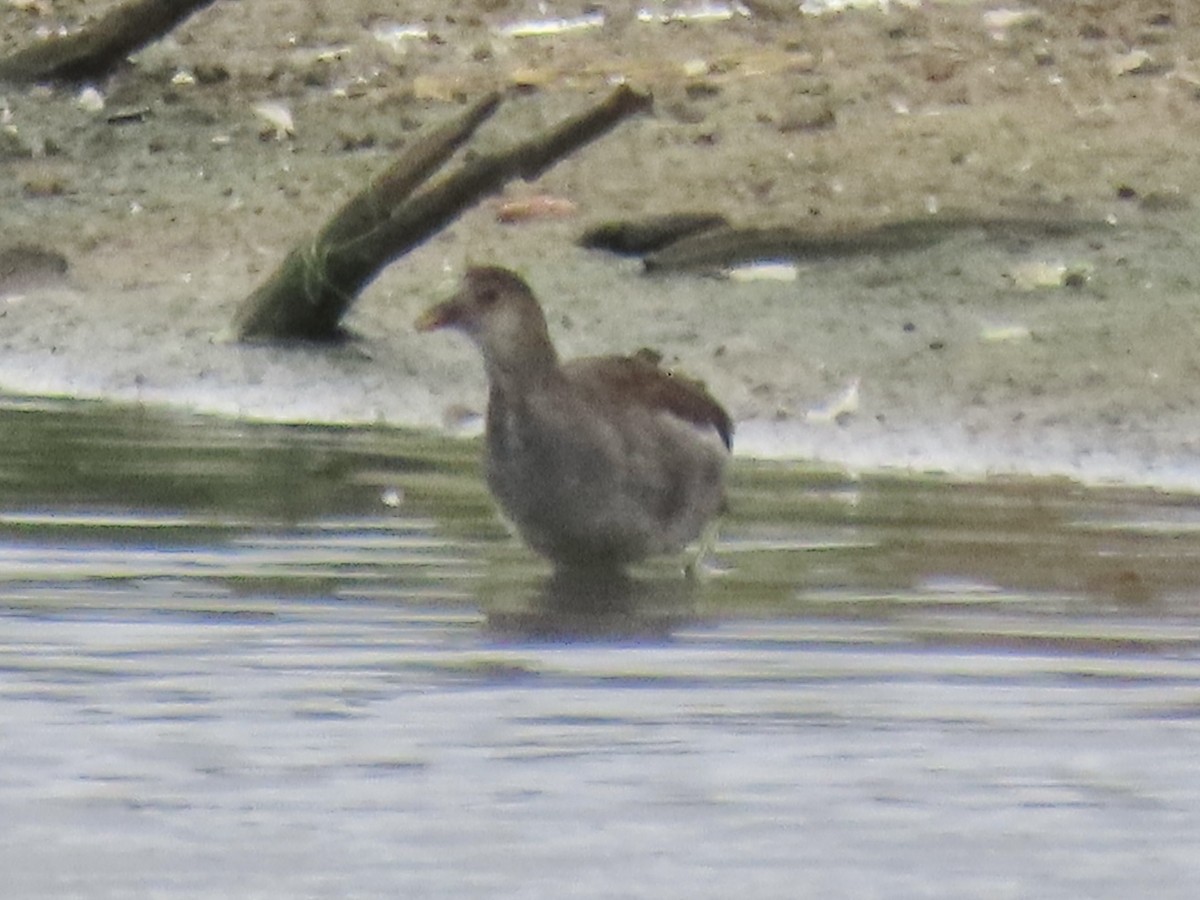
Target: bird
600, 462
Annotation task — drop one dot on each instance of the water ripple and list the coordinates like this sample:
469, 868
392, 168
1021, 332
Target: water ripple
279, 662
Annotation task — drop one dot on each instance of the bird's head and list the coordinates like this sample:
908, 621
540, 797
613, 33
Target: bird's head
498, 312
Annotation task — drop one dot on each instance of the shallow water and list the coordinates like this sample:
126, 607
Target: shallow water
268, 661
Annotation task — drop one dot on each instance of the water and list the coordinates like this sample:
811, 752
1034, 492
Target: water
266, 661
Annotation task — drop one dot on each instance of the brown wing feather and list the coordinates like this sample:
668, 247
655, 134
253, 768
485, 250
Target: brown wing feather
638, 379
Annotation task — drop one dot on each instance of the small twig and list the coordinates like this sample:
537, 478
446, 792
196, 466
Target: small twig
100, 45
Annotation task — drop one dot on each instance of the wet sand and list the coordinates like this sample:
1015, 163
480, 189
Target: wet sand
1073, 355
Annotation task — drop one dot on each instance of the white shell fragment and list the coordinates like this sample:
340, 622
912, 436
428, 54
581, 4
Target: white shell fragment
1032, 276
278, 119
543, 27
1000, 334
1135, 62
90, 100
999, 21
334, 54
819, 7
836, 408
764, 271
701, 12
394, 36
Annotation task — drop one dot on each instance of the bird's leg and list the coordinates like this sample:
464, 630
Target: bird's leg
694, 568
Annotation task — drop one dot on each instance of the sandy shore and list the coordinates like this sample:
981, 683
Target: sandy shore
1075, 355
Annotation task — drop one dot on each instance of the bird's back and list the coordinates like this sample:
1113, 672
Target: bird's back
611, 462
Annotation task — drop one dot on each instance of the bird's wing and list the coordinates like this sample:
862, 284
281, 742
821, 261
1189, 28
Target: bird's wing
638, 379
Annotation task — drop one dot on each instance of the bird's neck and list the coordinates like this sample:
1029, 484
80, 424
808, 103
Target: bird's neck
535, 366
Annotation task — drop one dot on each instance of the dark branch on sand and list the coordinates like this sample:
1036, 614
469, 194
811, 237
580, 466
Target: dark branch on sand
318, 281
100, 45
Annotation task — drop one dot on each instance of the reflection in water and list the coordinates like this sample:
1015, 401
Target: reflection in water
287, 662
573, 605
120, 496
158, 505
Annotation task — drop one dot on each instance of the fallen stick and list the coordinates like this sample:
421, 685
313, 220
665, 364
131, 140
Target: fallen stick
313, 288
722, 248
100, 45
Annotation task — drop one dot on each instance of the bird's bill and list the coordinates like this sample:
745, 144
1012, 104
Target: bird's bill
441, 315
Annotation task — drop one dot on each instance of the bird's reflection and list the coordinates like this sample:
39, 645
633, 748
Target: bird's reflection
591, 605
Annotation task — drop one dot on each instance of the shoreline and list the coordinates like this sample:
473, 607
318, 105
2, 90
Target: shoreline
1075, 355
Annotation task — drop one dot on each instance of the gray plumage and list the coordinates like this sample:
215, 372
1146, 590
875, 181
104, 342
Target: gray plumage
598, 462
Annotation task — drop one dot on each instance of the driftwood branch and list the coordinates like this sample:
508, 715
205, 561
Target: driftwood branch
100, 45
309, 293
387, 190
708, 243
721, 248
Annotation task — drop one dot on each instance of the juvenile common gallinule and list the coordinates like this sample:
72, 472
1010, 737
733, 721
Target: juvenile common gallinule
601, 461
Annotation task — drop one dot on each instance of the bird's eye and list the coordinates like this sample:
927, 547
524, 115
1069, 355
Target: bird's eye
488, 297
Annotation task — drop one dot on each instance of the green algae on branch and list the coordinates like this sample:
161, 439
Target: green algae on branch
99, 46
315, 285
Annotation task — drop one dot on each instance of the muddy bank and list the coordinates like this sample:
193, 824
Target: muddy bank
1073, 354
